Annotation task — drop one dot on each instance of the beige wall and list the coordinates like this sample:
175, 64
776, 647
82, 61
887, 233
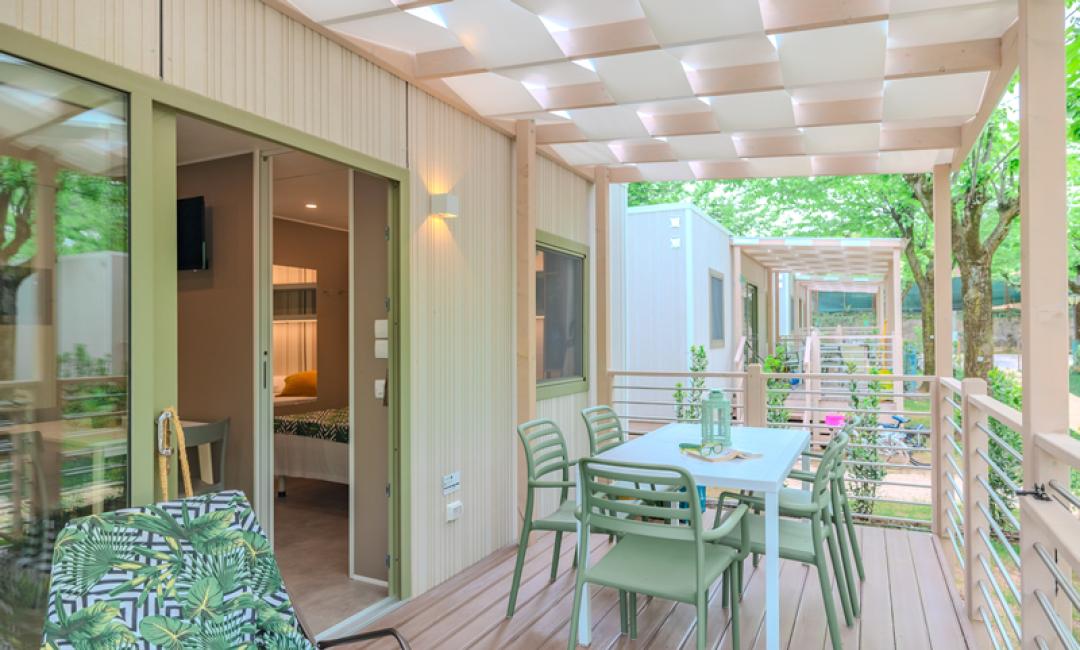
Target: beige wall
215, 308
248, 55
326, 251
563, 208
755, 274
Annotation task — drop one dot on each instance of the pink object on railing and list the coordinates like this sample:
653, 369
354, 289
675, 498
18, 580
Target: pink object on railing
834, 419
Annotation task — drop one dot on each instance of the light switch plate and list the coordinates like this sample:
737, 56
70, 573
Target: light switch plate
382, 349
380, 388
451, 483
382, 329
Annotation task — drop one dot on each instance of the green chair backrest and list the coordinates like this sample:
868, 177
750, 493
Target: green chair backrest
639, 499
215, 434
195, 572
826, 471
605, 429
545, 450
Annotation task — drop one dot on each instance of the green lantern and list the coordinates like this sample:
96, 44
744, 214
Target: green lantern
716, 421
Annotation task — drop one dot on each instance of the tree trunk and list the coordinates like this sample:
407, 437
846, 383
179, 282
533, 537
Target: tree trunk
929, 358
978, 317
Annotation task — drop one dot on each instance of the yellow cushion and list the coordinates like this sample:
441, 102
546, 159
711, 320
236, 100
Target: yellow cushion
301, 384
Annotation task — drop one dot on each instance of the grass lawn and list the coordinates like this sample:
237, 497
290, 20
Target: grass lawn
1074, 383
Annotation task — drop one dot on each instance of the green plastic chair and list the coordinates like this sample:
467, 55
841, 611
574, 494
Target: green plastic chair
806, 530
605, 429
655, 555
190, 573
545, 454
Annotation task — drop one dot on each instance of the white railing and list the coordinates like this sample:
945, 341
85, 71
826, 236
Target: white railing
955, 466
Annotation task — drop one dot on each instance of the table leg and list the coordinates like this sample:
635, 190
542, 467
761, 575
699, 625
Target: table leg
584, 621
772, 571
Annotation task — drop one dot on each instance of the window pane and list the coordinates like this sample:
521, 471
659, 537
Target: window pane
559, 313
63, 323
716, 309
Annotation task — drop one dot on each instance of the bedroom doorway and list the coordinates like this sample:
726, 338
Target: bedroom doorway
285, 344
328, 368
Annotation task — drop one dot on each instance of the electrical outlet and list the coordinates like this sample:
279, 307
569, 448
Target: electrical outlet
453, 510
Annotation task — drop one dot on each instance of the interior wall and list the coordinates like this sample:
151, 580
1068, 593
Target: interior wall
327, 251
216, 308
563, 208
461, 363
755, 274
371, 418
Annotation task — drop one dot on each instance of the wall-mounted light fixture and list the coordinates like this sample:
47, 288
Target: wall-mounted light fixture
444, 205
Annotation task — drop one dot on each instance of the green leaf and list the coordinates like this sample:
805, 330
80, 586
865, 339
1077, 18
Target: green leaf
169, 633
204, 599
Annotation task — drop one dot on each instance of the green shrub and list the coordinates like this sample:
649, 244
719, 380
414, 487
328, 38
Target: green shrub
688, 400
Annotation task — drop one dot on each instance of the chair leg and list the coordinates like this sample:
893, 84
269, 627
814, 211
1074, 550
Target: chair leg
624, 621
826, 594
850, 522
845, 556
518, 566
739, 578
702, 620
579, 582
631, 612
736, 589
841, 582
555, 556
725, 586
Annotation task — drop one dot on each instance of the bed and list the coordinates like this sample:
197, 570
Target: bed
312, 445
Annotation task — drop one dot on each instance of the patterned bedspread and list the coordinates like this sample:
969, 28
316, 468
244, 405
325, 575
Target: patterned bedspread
328, 424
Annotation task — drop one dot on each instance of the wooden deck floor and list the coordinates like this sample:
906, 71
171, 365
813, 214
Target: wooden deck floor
907, 604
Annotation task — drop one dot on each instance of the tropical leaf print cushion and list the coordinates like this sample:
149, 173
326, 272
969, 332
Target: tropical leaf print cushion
193, 573
327, 424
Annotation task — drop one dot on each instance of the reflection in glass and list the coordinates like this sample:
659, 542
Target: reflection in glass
560, 308
63, 323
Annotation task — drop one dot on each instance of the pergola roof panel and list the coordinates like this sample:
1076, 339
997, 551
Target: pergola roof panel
817, 257
631, 70
698, 20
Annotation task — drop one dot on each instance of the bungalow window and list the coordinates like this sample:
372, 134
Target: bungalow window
560, 316
716, 309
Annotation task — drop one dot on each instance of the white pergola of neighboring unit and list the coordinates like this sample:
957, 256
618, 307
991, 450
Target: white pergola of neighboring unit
691, 89
828, 264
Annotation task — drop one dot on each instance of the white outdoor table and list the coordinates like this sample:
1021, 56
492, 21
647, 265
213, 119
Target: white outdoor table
779, 449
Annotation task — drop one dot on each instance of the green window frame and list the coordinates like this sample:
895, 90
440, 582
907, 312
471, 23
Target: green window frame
558, 387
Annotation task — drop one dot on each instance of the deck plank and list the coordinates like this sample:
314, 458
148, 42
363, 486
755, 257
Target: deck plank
903, 571
910, 631
876, 630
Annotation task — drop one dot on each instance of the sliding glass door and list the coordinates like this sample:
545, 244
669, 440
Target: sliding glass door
64, 322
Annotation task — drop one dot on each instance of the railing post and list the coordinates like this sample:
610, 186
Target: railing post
938, 409
755, 396
974, 424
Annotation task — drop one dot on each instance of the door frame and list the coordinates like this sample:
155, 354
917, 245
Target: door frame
153, 106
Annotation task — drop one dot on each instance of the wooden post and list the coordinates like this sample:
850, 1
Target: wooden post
938, 409
602, 203
974, 493
943, 315
897, 318
755, 396
737, 288
1043, 261
525, 282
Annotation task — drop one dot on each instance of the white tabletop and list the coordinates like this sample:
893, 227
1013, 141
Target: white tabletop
779, 449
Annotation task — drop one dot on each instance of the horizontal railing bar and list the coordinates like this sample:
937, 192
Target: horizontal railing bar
866, 463
1005, 478
952, 481
685, 389
677, 373
914, 523
953, 424
959, 472
822, 425
1063, 632
1003, 413
954, 502
999, 564
1013, 623
999, 502
837, 376
1000, 534
989, 630
1065, 493
953, 403
856, 497
1001, 442
1064, 583
993, 613
844, 393
925, 486
951, 531
957, 528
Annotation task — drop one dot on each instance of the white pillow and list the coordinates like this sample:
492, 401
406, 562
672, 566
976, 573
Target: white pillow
279, 384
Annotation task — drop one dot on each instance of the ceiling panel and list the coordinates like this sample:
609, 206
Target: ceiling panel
743, 50
965, 23
696, 20
934, 97
401, 31
574, 14
666, 171
750, 111
714, 146
609, 123
834, 54
847, 138
499, 33
643, 76
585, 153
551, 75
493, 94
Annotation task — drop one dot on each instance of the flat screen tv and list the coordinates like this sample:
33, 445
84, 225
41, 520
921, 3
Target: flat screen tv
191, 252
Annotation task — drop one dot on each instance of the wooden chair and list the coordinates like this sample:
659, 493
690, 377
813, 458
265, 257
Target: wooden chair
656, 553
545, 454
215, 434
